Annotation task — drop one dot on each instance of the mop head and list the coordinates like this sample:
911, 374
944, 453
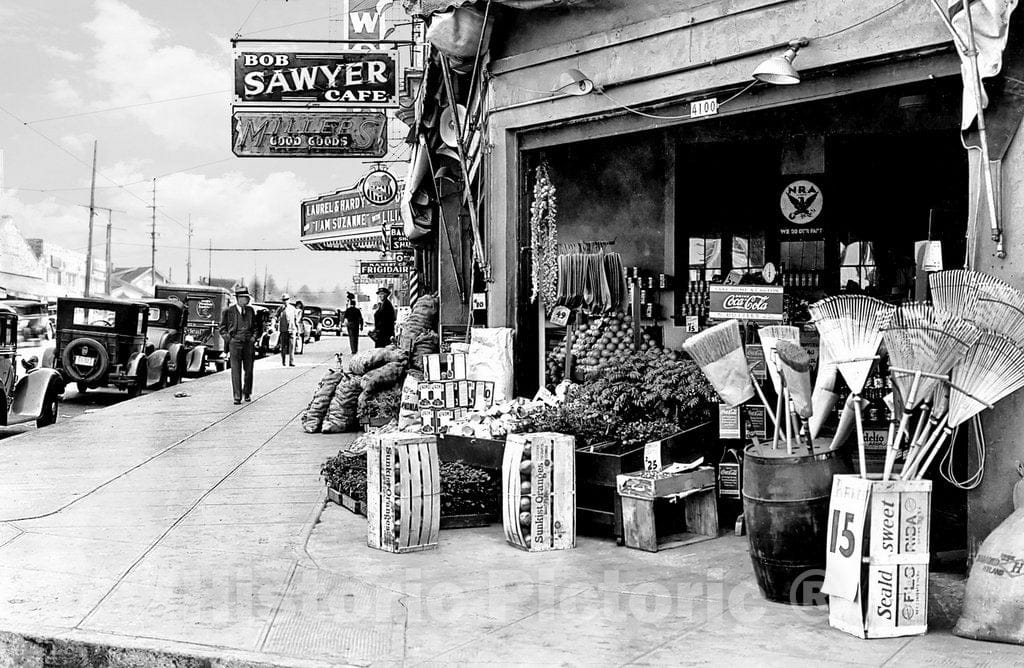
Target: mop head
719, 353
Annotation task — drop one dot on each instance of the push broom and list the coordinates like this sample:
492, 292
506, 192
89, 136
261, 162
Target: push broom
992, 370
796, 369
851, 327
718, 351
923, 345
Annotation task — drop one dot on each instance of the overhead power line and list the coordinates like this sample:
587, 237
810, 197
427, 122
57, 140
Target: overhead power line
125, 106
123, 185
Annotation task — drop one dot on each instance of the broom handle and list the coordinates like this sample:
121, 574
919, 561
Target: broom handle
922, 420
778, 423
890, 450
908, 405
935, 451
861, 452
764, 400
807, 432
789, 422
911, 467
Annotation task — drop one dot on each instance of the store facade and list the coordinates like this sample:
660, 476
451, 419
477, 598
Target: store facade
867, 145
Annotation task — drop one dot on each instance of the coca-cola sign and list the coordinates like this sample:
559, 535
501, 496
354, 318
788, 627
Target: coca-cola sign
746, 302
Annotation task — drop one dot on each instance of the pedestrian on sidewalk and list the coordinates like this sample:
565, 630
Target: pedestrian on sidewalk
383, 319
238, 327
287, 326
353, 324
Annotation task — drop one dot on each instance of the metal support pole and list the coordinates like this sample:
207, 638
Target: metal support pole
92, 213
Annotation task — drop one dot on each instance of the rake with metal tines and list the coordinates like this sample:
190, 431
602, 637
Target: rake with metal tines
955, 292
1000, 308
923, 345
851, 327
992, 370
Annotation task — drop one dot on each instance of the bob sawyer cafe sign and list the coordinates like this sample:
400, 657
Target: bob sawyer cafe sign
323, 134
345, 215
746, 302
271, 78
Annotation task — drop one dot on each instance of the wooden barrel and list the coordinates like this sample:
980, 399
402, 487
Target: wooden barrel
785, 503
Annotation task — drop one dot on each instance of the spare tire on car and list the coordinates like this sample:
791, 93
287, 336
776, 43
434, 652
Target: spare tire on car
84, 360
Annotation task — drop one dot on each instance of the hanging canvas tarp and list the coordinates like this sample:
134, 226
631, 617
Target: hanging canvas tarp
428, 7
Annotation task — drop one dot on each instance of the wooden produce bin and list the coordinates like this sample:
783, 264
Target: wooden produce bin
403, 491
878, 556
641, 495
539, 491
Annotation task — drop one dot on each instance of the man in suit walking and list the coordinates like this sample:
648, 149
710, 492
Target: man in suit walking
384, 317
287, 326
353, 323
238, 327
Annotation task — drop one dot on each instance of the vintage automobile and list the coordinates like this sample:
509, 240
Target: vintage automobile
312, 322
33, 320
167, 357
101, 343
206, 305
34, 396
271, 339
332, 320
264, 318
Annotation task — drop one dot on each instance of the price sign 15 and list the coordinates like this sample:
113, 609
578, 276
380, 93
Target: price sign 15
848, 512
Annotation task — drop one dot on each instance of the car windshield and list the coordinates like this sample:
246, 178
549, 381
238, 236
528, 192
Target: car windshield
95, 317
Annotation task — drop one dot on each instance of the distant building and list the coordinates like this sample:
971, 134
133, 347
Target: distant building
36, 269
135, 282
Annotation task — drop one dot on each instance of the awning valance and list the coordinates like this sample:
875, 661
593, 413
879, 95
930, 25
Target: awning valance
428, 7
370, 242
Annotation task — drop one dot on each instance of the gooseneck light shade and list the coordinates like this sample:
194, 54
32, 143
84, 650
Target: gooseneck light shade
779, 70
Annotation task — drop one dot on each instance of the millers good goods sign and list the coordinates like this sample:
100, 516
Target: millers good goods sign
746, 302
343, 215
271, 78
309, 135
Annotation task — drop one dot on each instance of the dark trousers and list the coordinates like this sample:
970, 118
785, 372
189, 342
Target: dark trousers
242, 354
383, 339
353, 340
287, 348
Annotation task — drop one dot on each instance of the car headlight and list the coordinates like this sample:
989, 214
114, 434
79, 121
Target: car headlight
189, 338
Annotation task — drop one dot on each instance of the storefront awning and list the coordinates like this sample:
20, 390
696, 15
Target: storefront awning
428, 7
370, 242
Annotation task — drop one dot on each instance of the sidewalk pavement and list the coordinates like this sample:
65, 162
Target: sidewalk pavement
190, 532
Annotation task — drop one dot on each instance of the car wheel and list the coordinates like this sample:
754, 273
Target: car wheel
135, 389
48, 415
165, 375
81, 387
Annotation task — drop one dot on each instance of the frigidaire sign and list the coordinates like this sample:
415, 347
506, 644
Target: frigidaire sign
350, 134
344, 215
746, 302
365, 78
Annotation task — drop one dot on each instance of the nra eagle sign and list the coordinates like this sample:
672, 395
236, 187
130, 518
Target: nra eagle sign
801, 202
746, 302
271, 78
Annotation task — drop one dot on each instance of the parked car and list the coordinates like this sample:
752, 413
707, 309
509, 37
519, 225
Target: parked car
34, 396
271, 339
206, 305
33, 319
101, 343
332, 320
264, 318
312, 323
167, 357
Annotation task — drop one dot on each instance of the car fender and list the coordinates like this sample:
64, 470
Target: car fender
135, 362
174, 356
30, 395
196, 358
155, 367
49, 360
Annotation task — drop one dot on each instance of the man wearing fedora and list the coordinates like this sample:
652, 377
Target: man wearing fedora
383, 319
238, 327
287, 326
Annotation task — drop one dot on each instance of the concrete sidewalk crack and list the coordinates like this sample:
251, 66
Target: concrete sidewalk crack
277, 608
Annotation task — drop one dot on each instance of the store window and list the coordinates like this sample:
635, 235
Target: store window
858, 269
705, 258
748, 254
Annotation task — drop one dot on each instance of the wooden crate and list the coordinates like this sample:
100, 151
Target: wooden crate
539, 491
886, 551
403, 491
670, 511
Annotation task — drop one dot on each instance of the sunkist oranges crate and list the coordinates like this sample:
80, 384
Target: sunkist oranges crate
539, 491
878, 554
403, 492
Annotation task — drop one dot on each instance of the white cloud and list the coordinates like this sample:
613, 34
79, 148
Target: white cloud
80, 144
136, 61
61, 53
63, 94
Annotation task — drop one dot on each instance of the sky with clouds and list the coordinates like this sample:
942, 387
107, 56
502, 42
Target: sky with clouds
67, 57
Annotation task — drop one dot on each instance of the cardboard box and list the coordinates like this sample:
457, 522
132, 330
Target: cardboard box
403, 493
445, 366
889, 524
471, 394
539, 491
439, 420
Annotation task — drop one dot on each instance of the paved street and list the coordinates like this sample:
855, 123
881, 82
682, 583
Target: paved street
188, 527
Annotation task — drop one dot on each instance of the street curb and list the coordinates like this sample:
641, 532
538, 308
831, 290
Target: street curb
32, 651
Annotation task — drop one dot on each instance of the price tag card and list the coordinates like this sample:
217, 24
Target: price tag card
845, 539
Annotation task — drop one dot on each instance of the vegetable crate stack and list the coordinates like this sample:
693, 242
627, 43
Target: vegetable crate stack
877, 556
539, 491
447, 395
403, 492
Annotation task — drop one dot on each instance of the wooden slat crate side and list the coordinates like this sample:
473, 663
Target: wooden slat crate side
434, 510
897, 600
403, 485
411, 501
550, 480
512, 490
373, 496
564, 490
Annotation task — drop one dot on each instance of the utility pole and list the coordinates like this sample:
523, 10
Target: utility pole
266, 275
152, 234
188, 264
92, 212
110, 267
209, 269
